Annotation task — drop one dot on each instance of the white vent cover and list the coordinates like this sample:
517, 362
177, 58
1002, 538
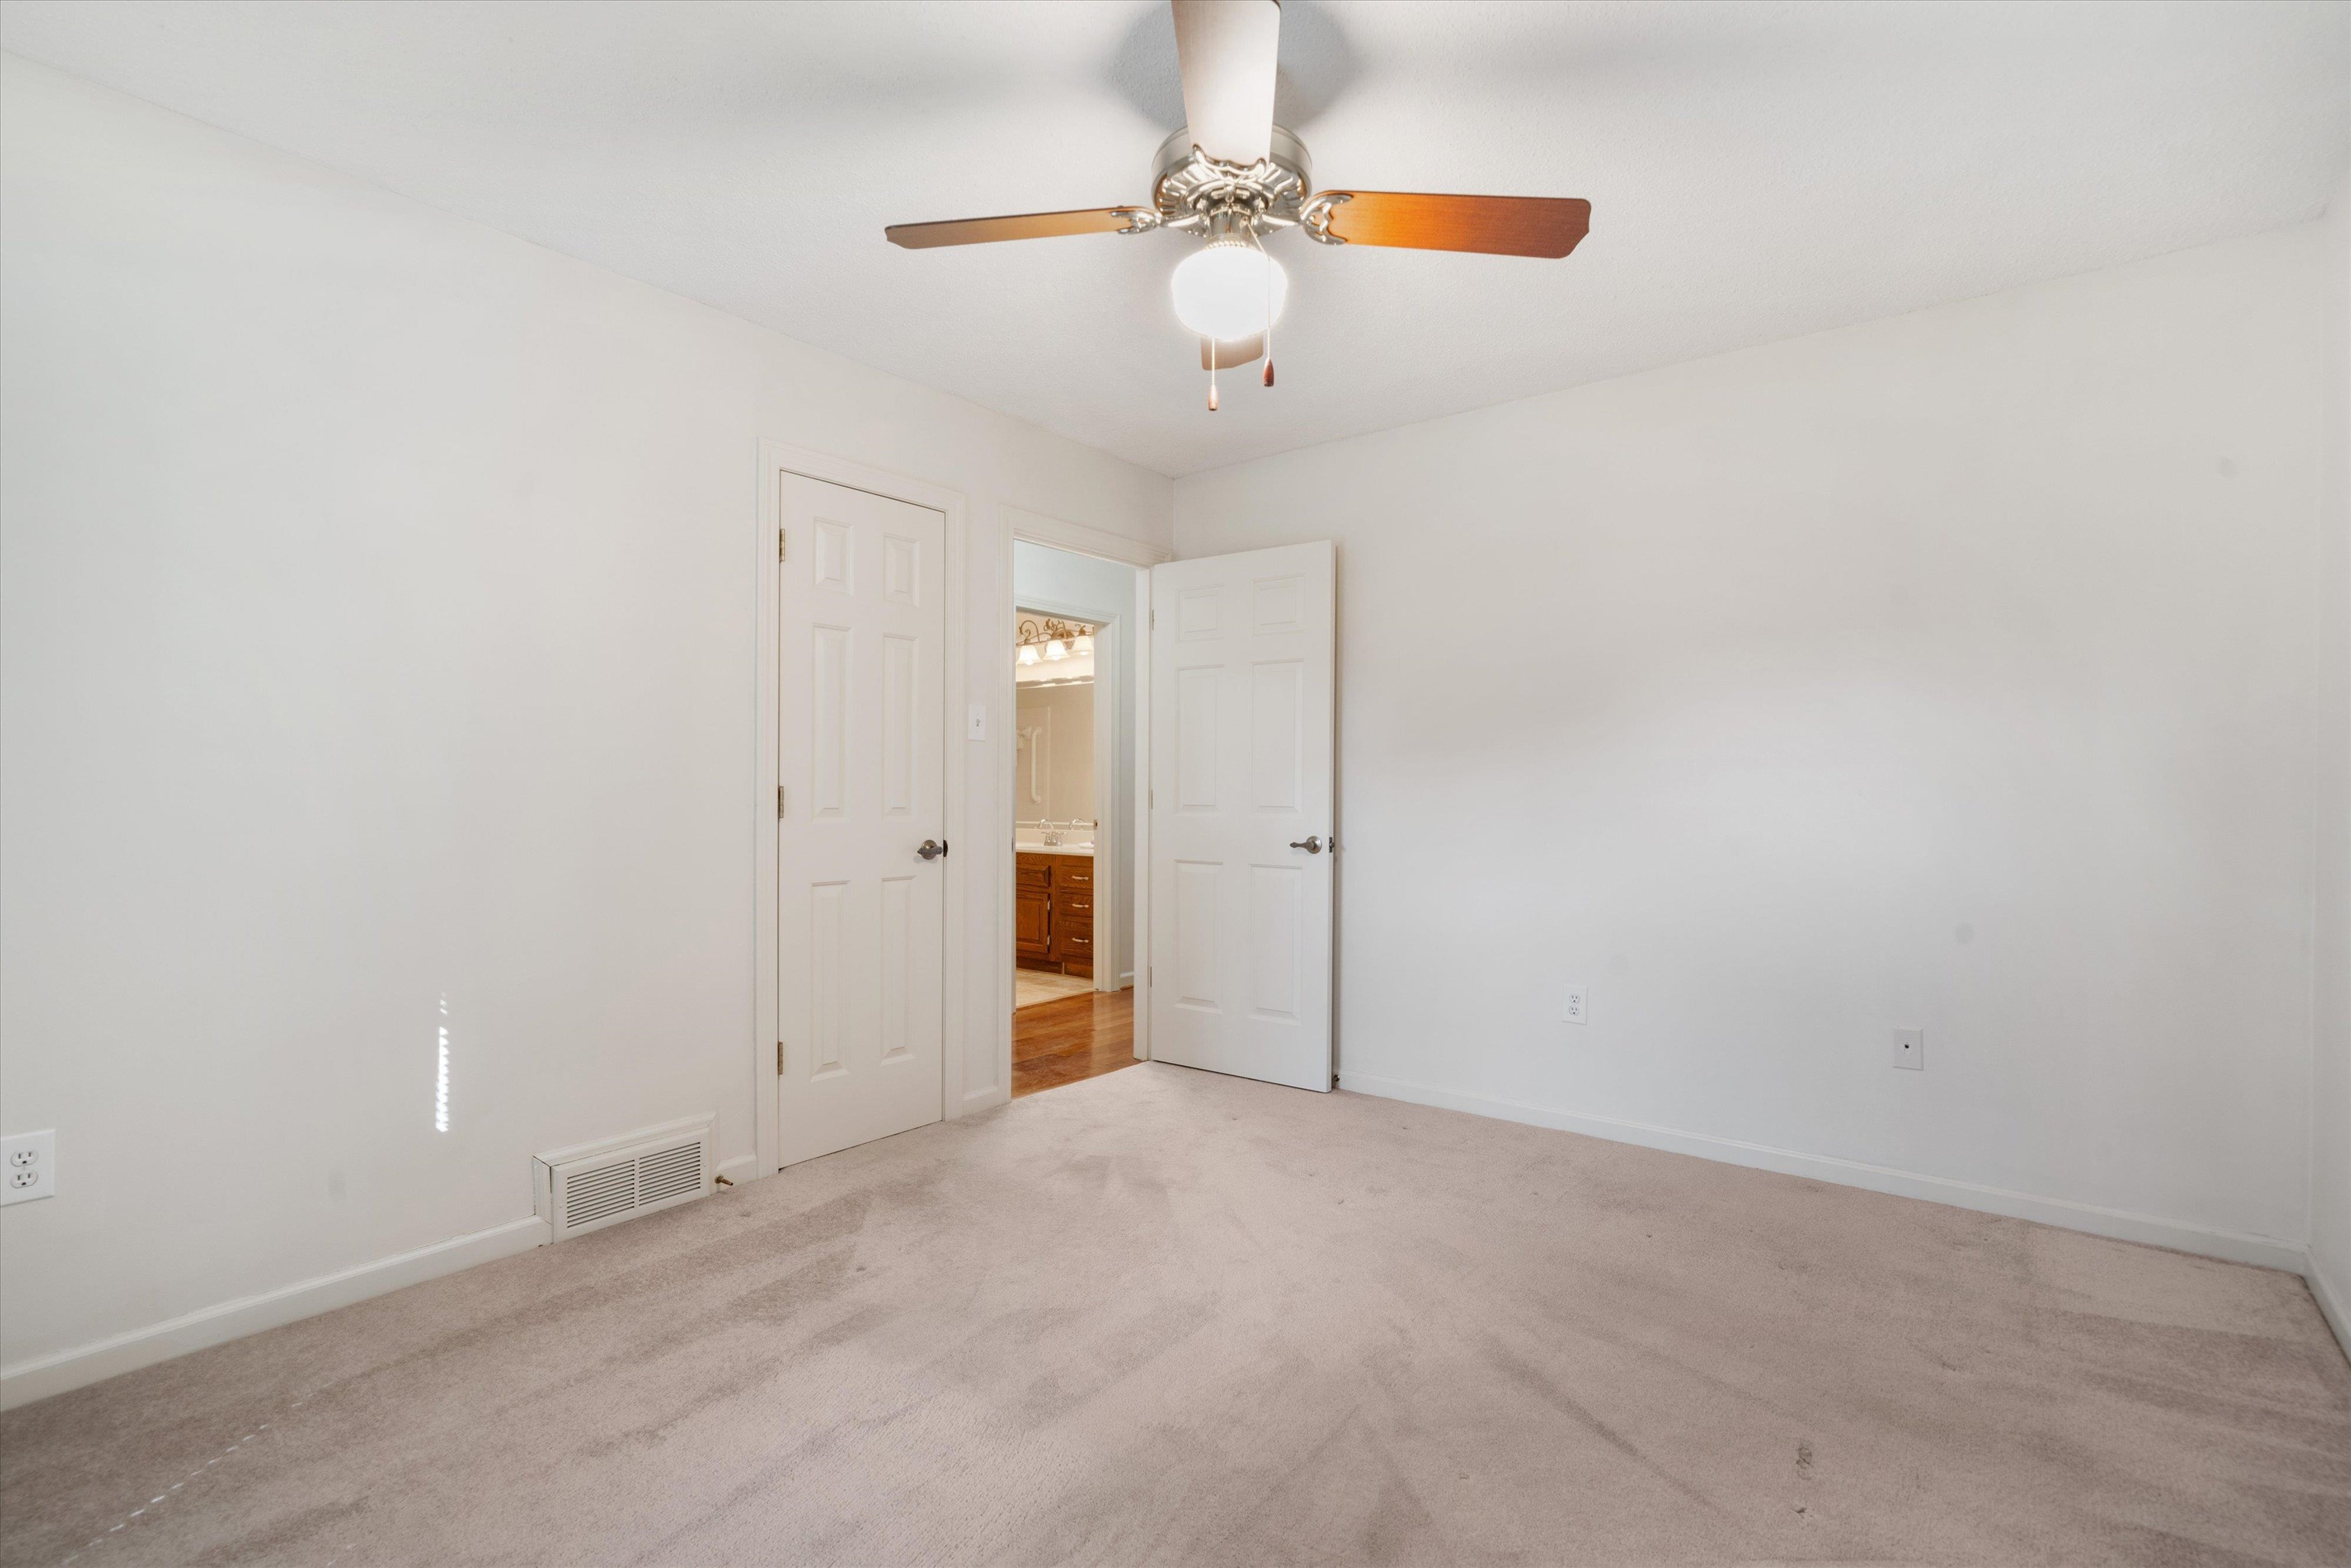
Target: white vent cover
590, 1186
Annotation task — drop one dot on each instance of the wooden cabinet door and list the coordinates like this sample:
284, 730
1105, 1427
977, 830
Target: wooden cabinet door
1032, 908
1032, 922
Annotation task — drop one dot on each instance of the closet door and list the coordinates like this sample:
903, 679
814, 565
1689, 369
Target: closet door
861, 916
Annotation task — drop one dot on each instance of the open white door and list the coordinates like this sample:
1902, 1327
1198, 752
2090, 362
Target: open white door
1242, 794
860, 874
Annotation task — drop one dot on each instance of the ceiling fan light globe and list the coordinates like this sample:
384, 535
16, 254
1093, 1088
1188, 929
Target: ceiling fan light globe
1228, 289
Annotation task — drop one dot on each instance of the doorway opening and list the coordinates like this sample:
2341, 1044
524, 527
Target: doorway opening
1072, 817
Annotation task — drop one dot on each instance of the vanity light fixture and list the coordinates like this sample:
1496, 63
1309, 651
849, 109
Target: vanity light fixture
1042, 639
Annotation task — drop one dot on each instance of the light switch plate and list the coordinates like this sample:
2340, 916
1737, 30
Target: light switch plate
28, 1166
1910, 1048
1579, 1006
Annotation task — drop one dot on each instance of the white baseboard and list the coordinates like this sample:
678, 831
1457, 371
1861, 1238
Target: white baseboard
2333, 1301
2269, 1253
41, 1376
741, 1168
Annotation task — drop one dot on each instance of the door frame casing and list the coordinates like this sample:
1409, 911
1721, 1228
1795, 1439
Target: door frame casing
777, 459
1055, 533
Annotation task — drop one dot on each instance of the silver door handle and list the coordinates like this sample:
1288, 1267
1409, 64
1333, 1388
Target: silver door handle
931, 848
1311, 843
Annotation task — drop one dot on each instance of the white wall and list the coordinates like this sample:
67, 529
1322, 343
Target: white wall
2330, 1154
1105, 590
376, 629
1953, 671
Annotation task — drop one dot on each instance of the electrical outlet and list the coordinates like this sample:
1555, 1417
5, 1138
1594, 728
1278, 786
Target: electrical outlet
31, 1162
1910, 1048
1579, 1006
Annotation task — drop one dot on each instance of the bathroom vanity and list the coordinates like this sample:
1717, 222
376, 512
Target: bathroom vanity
1053, 910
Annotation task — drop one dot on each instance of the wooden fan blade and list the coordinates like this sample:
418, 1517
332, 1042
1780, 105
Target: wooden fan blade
1239, 352
1496, 225
1226, 49
1019, 226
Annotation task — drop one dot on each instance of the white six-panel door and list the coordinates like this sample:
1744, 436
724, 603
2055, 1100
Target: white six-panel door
860, 916
1241, 797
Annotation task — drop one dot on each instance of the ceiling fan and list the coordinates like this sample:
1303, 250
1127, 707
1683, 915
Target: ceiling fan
1232, 177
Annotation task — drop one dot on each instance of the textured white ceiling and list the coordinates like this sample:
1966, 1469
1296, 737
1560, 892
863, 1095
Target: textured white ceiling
1756, 170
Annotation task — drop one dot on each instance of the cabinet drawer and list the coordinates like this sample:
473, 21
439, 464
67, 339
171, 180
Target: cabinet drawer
1079, 874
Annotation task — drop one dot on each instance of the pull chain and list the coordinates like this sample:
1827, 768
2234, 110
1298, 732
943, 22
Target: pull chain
1212, 376
1269, 319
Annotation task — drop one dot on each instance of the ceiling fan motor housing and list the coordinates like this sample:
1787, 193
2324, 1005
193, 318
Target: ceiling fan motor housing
1195, 193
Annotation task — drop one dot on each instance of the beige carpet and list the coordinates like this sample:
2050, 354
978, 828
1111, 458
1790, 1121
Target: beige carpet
1164, 1317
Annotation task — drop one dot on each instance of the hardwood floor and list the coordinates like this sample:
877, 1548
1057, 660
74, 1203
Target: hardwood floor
1062, 1041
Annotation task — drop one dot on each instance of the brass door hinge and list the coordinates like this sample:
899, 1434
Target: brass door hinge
780, 800
780, 537
779, 1059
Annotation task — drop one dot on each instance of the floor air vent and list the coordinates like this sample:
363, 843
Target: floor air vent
590, 1186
